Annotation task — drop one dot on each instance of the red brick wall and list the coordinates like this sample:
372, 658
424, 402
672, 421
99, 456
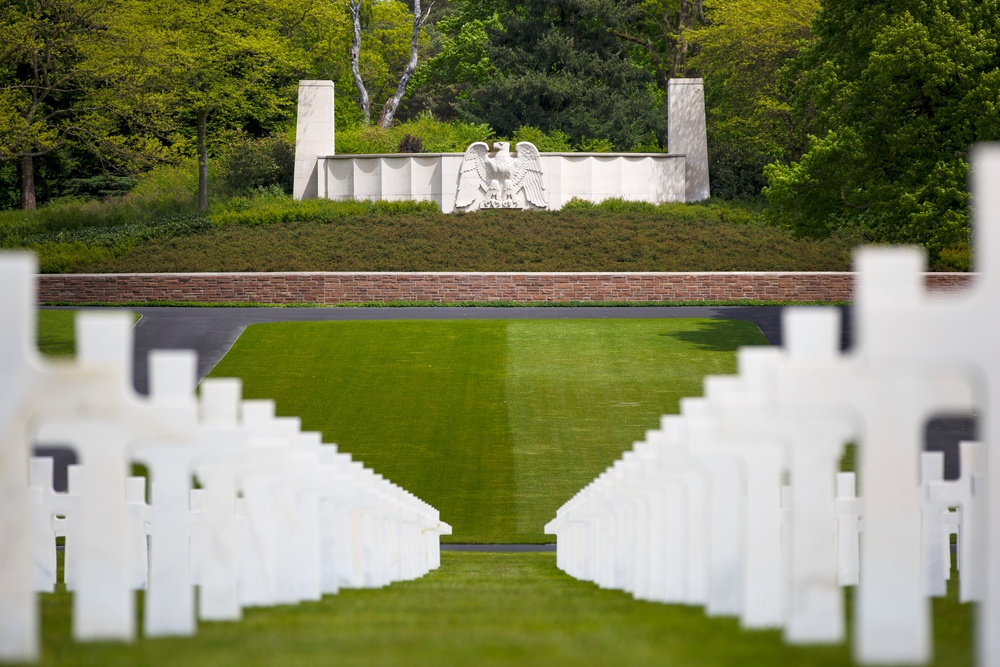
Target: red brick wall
333, 288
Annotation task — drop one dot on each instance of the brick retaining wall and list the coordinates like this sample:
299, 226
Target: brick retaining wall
335, 288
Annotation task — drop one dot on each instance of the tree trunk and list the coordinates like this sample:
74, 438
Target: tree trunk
690, 15
363, 101
28, 201
202, 161
392, 104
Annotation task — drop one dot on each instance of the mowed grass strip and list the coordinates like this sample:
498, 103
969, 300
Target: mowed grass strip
678, 238
479, 609
56, 334
495, 423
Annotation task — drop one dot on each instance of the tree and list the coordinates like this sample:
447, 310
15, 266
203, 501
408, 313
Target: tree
740, 54
663, 31
562, 65
212, 58
358, 9
893, 93
53, 55
461, 61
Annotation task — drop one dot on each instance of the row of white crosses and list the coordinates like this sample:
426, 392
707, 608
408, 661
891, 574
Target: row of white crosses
737, 503
279, 516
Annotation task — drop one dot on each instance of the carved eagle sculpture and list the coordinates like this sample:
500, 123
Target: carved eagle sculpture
497, 181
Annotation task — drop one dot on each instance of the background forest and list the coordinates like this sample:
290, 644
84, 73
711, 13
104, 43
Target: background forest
825, 117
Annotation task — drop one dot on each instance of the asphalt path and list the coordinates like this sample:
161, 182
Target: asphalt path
212, 331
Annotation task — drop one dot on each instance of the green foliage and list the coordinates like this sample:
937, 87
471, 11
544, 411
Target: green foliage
65, 257
555, 141
894, 95
462, 61
67, 250
66, 87
741, 51
434, 136
200, 60
564, 65
268, 208
70, 235
273, 233
596, 145
166, 191
248, 164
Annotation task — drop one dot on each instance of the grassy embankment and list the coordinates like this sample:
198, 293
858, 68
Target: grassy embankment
275, 233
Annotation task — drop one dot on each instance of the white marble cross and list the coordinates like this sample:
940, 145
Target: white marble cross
169, 601
29, 388
848, 530
933, 535
892, 401
217, 468
965, 494
812, 445
47, 504
899, 320
763, 461
726, 520
103, 605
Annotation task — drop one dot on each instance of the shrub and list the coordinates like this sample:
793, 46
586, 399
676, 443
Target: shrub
273, 209
556, 141
61, 250
434, 136
596, 145
167, 190
576, 204
250, 164
410, 144
65, 257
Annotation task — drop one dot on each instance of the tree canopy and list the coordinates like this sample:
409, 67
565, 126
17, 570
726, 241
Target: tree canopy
891, 96
850, 116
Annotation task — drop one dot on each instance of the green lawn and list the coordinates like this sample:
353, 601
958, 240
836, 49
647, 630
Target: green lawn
56, 333
478, 609
542, 388
495, 423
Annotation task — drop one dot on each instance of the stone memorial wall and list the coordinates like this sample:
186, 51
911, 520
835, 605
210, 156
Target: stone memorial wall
737, 503
279, 516
680, 175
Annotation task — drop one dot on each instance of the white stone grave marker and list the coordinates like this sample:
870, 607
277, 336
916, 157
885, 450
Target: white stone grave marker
965, 493
29, 388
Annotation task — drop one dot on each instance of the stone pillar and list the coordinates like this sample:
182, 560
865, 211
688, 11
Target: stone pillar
313, 136
686, 133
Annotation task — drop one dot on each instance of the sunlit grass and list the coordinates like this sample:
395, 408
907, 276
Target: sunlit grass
478, 609
495, 423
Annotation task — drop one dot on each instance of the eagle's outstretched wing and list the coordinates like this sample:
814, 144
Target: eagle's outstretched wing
528, 174
476, 172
